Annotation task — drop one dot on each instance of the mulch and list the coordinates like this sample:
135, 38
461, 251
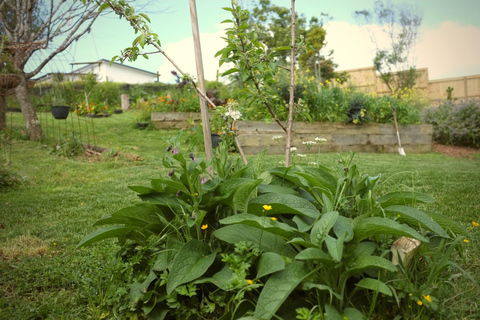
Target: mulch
454, 151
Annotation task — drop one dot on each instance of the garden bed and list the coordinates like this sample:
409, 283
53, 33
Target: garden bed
255, 136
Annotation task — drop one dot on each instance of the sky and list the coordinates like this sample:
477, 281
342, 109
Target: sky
448, 45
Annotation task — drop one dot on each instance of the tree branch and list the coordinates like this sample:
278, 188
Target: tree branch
292, 90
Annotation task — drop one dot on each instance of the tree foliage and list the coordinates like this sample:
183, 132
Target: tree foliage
272, 24
400, 23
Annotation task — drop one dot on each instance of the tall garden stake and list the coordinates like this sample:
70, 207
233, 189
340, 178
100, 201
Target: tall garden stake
201, 82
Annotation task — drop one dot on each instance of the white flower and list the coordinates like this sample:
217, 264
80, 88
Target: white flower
309, 143
281, 162
301, 155
320, 139
293, 149
277, 137
313, 163
234, 114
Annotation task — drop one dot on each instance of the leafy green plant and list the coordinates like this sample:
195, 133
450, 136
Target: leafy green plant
252, 243
456, 123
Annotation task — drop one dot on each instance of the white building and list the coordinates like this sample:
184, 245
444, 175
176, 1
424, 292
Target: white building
116, 72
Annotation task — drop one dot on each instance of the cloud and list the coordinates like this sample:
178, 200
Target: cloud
183, 54
353, 46
449, 51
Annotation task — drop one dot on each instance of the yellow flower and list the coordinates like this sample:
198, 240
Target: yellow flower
267, 207
419, 302
273, 219
250, 282
466, 240
475, 224
204, 226
428, 298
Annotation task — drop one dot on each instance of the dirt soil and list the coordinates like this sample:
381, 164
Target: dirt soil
454, 151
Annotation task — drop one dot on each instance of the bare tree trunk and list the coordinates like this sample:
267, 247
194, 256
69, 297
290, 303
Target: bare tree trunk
292, 91
29, 115
3, 113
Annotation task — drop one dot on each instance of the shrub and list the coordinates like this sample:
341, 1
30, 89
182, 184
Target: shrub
456, 123
300, 242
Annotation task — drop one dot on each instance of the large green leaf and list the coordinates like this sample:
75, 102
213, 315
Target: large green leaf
269, 263
168, 200
322, 227
266, 241
322, 287
271, 188
335, 247
278, 287
363, 263
242, 194
415, 218
171, 183
320, 180
448, 224
404, 198
375, 285
221, 279
140, 215
283, 204
190, 263
343, 228
264, 223
105, 233
316, 255
367, 227
142, 189
348, 313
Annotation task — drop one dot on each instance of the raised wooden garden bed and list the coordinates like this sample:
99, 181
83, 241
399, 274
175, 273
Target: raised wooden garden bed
374, 137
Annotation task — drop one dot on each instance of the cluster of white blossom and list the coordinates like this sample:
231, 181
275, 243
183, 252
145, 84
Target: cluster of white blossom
320, 139
309, 143
234, 114
277, 137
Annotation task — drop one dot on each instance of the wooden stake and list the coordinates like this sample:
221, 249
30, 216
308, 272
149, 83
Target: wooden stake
201, 82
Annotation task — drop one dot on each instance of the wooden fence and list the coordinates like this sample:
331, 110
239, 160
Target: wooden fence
464, 88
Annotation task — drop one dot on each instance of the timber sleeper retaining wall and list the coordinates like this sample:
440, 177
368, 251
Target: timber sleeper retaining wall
255, 136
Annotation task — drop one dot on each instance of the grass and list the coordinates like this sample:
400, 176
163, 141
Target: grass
59, 198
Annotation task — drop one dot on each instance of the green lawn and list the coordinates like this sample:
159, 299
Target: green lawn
42, 220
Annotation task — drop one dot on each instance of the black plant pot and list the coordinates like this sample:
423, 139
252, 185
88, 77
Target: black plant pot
60, 112
118, 111
142, 125
216, 139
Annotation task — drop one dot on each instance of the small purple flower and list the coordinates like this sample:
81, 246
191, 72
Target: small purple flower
178, 193
175, 150
192, 156
170, 173
202, 179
